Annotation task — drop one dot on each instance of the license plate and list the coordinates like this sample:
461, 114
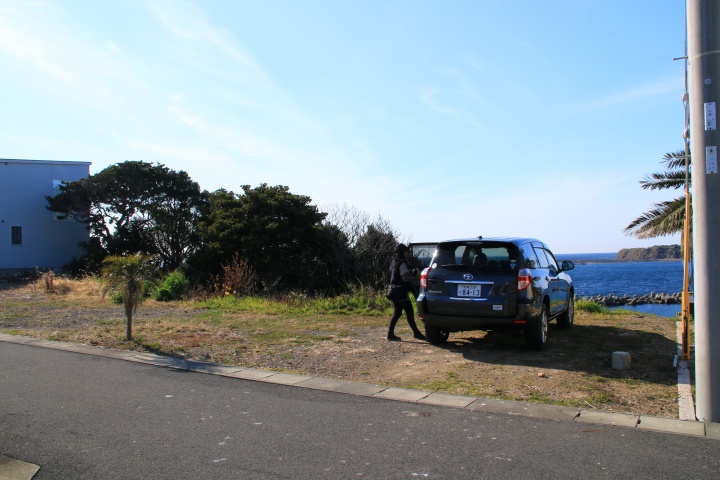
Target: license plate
469, 290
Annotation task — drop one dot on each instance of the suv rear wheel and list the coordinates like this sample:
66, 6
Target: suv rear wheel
436, 335
536, 332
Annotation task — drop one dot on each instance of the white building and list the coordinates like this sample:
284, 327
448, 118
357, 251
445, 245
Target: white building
31, 236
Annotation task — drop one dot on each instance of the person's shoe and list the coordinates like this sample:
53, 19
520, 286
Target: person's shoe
420, 336
393, 338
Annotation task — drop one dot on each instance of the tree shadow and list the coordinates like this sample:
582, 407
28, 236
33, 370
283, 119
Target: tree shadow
582, 348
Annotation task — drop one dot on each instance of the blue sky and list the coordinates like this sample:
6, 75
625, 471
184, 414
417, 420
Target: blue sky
446, 118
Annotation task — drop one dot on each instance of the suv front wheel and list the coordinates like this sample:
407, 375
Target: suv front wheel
536, 333
566, 319
436, 335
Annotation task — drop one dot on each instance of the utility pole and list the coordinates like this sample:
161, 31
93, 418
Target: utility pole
703, 30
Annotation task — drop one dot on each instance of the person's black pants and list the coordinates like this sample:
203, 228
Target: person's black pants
398, 307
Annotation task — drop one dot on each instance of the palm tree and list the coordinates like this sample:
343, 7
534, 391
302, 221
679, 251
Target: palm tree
664, 218
130, 276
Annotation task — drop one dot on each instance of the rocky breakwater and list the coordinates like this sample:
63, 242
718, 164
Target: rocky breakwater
619, 301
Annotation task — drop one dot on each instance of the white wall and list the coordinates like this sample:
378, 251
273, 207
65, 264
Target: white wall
47, 242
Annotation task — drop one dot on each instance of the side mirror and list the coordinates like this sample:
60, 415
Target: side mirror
567, 265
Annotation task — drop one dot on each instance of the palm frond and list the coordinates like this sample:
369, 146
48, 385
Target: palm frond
664, 180
666, 218
675, 160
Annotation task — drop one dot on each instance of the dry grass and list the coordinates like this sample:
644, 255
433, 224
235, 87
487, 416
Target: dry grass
574, 370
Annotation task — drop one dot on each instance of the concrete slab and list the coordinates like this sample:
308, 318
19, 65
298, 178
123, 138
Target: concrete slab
251, 374
214, 368
116, 354
285, 378
608, 418
402, 394
4, 337
145, 358
621, 360
12, 469
342, 386
446, 400
508, 407
712, 431
671, 425
59, 345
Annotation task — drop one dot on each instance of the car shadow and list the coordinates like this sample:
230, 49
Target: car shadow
582, 348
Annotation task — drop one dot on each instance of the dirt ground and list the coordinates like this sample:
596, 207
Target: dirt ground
575, 368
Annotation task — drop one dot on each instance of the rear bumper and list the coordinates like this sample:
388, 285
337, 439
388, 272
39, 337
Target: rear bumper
526, 312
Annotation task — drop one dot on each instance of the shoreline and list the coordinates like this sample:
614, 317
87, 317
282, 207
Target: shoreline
626, 300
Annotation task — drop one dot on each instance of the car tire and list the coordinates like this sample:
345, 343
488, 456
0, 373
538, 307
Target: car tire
536, 333
567, 318
436, 335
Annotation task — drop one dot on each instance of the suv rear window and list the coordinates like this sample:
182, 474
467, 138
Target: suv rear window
422, 253
476, 255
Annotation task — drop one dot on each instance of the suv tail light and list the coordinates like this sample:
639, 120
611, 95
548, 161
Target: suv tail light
524, 279
423, 277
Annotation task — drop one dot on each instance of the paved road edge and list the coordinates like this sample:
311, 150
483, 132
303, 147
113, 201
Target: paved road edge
507, 407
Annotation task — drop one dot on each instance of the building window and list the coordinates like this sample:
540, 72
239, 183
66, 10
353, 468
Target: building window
16, 235
56, 215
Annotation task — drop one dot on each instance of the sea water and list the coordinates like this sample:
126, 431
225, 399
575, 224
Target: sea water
601, 274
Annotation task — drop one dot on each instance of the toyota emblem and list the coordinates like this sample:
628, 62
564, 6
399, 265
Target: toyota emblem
468, 276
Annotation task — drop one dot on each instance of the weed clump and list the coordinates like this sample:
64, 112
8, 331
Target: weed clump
173, 287
590, 307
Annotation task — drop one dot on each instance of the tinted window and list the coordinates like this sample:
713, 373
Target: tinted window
422, 253
477, 255
542, 259
449, 254
551, 260
531, 260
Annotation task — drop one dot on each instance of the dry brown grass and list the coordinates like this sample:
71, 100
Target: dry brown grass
574, 370
87, 289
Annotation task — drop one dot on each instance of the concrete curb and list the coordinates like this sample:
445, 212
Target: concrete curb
551, 412
685, 397
11, 469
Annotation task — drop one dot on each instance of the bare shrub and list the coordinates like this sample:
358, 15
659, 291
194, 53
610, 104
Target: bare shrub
49, 280
238, 278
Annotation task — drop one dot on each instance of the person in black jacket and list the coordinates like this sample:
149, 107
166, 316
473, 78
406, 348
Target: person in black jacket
401, 275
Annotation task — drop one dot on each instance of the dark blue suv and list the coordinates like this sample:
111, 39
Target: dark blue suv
495, 283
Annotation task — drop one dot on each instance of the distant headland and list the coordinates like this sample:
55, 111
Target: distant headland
658, 252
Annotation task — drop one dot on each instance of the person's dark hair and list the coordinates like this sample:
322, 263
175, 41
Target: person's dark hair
401, 248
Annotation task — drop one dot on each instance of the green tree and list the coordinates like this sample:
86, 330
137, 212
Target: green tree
276, 231
135, 206
331, 270
131, 276
665, 218
374, 251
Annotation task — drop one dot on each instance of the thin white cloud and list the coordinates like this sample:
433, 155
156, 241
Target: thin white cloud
43, 42
234, 138
499, 78
430, 97
660, 88
465, 87
186, 21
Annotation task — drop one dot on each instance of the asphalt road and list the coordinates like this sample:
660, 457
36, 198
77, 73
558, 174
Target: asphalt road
87, 417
